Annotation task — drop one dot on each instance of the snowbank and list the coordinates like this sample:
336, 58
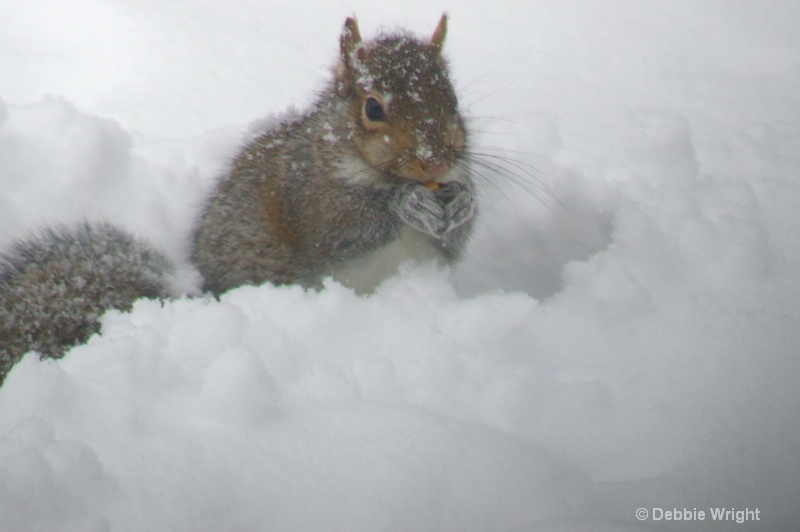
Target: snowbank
622, 335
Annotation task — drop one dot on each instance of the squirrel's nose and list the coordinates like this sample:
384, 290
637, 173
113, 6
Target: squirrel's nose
435, 170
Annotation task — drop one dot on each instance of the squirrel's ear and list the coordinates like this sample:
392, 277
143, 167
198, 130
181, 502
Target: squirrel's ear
349, 42
437, 41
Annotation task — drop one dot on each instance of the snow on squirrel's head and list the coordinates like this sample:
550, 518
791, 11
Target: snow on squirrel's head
402, 102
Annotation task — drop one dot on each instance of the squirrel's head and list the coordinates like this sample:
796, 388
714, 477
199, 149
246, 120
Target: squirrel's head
401, 101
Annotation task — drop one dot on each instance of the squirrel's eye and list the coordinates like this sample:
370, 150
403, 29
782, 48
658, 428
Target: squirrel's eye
374, 110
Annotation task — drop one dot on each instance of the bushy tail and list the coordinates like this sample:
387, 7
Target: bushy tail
55, 286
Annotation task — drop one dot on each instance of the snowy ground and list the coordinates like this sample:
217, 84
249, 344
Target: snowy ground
624, 333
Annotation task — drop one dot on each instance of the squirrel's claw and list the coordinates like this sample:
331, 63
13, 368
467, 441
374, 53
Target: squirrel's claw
459, 205
419, 208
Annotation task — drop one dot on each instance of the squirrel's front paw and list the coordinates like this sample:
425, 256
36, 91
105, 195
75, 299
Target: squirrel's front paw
418, 207
459, 205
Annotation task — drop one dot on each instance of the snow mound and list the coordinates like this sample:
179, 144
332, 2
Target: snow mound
622, 335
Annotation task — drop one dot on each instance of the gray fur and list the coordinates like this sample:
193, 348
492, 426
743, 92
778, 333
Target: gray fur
54, 287
277, 186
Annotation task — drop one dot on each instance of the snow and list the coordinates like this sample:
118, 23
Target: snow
623, 333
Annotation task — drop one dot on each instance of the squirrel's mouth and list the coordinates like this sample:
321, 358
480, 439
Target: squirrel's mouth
423, 171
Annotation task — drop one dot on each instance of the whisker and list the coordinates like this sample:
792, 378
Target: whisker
483, 181
502, 119
514, 170
482, 80
520, 168
506, 150
525, 176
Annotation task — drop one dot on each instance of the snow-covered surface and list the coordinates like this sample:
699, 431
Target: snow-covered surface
625, 332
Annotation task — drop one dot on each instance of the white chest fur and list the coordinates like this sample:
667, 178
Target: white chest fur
365, 274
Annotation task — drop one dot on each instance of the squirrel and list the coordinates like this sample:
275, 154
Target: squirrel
375, 173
